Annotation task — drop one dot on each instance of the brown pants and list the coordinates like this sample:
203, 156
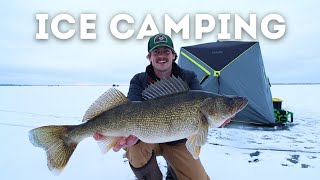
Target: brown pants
178, 157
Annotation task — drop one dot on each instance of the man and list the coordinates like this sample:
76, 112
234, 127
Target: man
142, 156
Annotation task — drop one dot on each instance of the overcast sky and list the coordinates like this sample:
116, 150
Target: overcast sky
108, 60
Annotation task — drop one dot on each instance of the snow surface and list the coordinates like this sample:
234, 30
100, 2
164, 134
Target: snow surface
237, 152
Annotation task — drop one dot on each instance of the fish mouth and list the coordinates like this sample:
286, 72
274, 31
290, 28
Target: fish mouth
243, 102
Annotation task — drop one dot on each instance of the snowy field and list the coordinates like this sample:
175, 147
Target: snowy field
237, 152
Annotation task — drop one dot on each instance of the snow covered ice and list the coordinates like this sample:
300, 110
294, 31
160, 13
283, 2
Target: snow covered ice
237, 152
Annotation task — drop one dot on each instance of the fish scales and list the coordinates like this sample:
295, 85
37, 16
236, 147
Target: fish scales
149, 119
175, 113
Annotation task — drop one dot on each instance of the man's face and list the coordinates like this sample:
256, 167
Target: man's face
161, 58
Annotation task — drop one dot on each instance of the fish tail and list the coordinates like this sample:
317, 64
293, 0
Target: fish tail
54, 140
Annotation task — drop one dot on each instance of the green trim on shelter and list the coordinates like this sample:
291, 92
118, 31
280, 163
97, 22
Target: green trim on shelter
233, 68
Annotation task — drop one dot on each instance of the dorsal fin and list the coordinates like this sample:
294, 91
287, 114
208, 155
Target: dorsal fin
165, 87
108, 100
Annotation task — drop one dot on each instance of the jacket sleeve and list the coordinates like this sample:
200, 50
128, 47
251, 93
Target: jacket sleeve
135, 89
194, 83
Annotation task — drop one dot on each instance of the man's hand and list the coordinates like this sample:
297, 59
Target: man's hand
123, 142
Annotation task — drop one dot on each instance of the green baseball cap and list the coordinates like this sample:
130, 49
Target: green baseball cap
159, 40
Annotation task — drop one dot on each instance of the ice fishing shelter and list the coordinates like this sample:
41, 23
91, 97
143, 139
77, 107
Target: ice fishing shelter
233, 68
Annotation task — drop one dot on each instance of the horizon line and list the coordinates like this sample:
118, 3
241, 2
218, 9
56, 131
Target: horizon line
116, 85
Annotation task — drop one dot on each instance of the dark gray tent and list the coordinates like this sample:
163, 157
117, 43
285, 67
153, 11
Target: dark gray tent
233, 68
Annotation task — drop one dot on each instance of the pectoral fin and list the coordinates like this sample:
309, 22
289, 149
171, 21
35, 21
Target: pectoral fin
107, 142
195, 142
192, 147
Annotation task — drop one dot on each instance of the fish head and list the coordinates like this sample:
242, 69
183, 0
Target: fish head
219, 108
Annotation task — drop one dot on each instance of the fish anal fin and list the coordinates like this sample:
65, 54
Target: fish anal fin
107, 142
108, 100
195, 141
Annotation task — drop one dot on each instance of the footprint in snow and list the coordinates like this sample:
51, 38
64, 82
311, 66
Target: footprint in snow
254, 154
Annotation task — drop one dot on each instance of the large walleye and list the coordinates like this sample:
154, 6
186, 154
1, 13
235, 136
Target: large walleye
171, 112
